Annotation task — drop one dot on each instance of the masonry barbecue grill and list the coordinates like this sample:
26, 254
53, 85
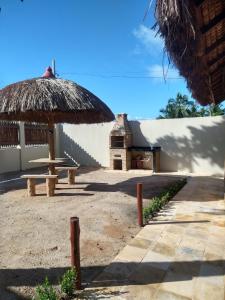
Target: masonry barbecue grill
120, 140
124, 155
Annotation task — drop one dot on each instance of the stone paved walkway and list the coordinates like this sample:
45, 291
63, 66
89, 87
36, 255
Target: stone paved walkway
179, 255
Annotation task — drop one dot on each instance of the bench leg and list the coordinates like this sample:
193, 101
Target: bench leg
50, 187
31, 187
56, 180
71, 176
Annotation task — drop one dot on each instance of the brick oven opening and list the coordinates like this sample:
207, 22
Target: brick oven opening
117, 141
117, 164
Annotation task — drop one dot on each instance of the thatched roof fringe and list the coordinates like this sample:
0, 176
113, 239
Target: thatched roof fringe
195, 53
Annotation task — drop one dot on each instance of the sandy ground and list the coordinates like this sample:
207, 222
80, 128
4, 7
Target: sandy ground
34, 232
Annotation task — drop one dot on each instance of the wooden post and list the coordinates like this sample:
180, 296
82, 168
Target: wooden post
71, 176
50, 186
31, 187
51, 144
140, 204
75, 248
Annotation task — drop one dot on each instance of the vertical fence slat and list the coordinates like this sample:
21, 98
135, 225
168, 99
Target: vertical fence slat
36, 134
9, 134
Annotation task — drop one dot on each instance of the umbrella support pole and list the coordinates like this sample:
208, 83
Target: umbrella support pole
51, 144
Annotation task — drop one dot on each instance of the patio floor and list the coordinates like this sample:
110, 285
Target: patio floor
179, 255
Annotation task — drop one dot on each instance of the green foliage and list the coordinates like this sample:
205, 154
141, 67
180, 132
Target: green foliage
181, 107
45, 291
158, 202
68, 282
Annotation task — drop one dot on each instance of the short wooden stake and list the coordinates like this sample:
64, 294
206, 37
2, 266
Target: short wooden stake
75, 248
140, 204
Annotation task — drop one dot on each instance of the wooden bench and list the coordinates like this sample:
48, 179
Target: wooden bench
71, 172
50, 183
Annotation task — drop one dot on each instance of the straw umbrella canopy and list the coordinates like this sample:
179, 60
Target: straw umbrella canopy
51, 100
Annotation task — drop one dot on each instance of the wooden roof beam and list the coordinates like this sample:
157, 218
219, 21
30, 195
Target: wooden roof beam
216, 59
215, 45
213, 22
218, 69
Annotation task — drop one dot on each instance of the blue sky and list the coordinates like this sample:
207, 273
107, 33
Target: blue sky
103, 45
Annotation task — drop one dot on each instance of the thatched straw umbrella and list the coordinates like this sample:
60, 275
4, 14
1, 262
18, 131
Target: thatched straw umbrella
50, 100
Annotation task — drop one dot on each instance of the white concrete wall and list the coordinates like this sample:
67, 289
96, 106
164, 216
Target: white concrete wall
33, 152
17, 158
195, 145
86, 144
190, 145
9, 159
14, 159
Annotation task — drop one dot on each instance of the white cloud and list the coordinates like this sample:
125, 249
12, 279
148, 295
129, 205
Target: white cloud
147, 37
163, 73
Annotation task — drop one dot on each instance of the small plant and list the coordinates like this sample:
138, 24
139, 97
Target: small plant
158, 202
68, 282
45, 291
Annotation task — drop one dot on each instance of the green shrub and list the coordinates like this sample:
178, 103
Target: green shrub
68, 282
158, 202
45, 291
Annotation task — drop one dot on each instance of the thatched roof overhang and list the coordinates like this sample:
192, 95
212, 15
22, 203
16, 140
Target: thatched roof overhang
52, 100
194, 33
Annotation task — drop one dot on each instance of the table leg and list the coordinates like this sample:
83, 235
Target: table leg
51, 169
71, 176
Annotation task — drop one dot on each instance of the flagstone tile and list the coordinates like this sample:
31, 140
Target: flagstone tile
140, 292
170, 238
212, 274
130, 253
157, 260
141, 243
176, 228
164, 249
192, 243
178, 283
148, 234
147, 274
207, 290
165, 295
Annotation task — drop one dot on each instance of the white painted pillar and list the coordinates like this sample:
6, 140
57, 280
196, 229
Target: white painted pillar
22, 145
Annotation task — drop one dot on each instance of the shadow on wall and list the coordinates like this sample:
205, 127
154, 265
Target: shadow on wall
75, 152
187, 151
168, 162
184, 152
138, 138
